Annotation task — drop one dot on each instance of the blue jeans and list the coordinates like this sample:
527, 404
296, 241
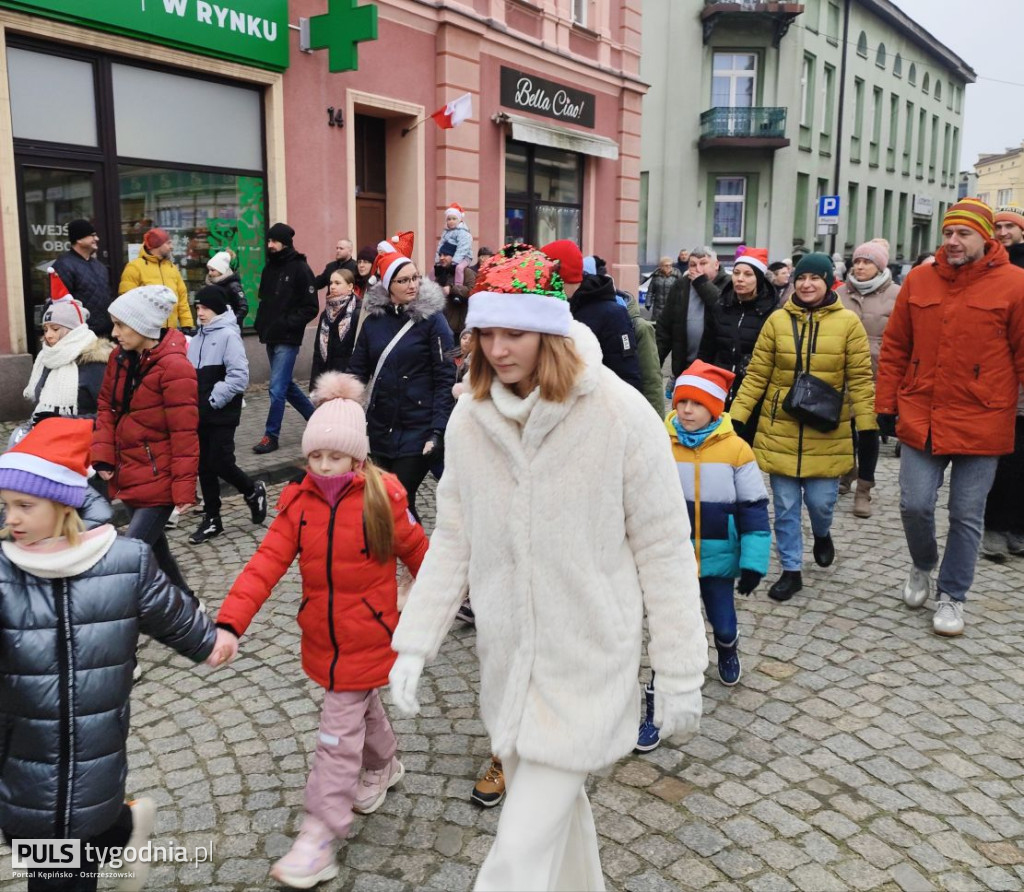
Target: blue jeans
819, 494
283, 388
969, 483
720, 607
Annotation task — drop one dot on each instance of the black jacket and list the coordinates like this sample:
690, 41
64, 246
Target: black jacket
89, 283
234, 294
67, 650
671, 332
1016, 253
287, 298
594, 305
731, 328
413, 396
339, 346
324, 279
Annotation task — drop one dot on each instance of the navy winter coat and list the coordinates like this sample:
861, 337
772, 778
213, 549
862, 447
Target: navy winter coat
413, 397
89, 283
218, 355
67, 650
594, 305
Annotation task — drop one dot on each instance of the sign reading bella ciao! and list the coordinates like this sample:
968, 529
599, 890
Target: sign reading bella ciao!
254, 32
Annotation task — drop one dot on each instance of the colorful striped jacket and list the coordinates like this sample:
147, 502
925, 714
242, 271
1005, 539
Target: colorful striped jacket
727, 502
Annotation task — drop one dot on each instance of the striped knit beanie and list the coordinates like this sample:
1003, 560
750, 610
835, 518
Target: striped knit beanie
1011, 214
971, 212
705, 384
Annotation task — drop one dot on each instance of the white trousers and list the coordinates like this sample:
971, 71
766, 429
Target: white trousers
546, 840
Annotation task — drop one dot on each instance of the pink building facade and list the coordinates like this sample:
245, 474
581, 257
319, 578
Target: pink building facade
213, 133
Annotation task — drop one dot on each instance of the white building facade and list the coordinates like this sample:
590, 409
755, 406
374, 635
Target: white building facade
757, 109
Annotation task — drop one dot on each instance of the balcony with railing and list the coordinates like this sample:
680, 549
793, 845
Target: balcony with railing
746, 128
776, 15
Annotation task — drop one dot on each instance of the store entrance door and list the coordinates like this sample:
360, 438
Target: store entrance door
371, 180
54, 193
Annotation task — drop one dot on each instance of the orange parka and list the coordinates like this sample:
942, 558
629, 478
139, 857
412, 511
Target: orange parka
952, 355
349, 606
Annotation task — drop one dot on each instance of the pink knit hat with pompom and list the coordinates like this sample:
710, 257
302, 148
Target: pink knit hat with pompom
339, 423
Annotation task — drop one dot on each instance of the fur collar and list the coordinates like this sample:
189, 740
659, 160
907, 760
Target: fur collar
99, 352
427, 303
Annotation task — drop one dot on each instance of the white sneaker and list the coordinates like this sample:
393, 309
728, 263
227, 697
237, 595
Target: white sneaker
918, 587
143, 819
172, 521
949, 617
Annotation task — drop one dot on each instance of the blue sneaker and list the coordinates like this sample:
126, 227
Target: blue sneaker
728, 663
648, 737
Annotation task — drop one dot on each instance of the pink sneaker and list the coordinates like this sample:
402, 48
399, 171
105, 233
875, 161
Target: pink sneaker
310, 859
374, 785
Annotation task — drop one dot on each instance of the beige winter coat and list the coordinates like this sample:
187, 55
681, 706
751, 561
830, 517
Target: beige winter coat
873, 310
565, 529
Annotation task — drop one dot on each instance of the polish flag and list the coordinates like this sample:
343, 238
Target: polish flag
454, 113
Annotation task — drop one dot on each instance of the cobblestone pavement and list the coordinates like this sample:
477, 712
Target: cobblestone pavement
859, 751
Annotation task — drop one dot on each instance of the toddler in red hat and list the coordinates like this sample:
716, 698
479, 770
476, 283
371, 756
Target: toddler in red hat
728, 511
74, 604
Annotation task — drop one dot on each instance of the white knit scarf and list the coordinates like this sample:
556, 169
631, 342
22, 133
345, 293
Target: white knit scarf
57, 558
60, 389
871, 285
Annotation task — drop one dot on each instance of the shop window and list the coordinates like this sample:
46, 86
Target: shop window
543, 194
52, 99
734, 80
185, 120
730, 207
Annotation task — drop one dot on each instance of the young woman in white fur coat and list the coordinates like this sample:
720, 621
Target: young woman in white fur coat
561, 509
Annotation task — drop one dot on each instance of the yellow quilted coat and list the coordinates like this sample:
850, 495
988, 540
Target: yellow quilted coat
835, 349
149, 270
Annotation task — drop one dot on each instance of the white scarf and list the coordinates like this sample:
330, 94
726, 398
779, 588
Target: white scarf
60, 389
56, 558
871, 285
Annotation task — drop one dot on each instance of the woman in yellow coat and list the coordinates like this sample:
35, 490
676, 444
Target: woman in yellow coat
804, 462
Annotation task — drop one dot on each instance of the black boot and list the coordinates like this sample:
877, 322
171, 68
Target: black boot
824, 551
787, 585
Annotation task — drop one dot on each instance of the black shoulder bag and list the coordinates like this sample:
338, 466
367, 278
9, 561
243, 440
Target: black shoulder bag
810, 400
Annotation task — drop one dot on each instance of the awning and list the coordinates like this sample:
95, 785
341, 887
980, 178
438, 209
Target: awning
555, 137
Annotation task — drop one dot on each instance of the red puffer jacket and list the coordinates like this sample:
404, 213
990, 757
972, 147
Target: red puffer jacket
953, 355
349, 605
147, 426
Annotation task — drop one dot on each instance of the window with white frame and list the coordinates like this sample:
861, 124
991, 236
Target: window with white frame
730, 209
807, 91
1004, 196
734, 80
579, 12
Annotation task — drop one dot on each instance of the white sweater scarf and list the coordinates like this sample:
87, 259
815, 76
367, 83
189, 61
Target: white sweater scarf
57, 558
60, 389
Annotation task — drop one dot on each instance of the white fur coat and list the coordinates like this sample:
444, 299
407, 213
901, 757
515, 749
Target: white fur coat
564, 529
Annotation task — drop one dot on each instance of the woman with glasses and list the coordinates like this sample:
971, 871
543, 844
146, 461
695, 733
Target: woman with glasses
403, 354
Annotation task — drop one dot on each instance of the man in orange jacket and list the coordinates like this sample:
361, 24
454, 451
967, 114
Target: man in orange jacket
951, 363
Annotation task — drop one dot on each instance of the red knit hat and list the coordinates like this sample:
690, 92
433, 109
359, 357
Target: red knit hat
705, 384
569, 257
1011, 214
155, 238
51, 461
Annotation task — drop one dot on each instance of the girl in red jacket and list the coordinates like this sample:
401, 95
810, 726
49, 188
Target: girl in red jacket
347, 522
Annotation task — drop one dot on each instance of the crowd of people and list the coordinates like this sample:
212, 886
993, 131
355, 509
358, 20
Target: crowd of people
532, 388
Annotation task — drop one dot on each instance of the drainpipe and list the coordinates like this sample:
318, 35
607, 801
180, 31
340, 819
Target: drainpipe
842, 96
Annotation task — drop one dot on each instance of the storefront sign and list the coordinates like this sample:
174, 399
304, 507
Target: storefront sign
923, 206
530, 93
254, 32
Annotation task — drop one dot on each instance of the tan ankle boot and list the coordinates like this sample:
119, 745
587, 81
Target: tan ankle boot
862, 499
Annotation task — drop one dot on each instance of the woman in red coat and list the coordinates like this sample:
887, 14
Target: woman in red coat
347, 522
146, 443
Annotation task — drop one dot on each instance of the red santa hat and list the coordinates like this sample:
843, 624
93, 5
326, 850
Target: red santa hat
58, 289
705, 384
392, 255
51, 461
455, 210
755, 257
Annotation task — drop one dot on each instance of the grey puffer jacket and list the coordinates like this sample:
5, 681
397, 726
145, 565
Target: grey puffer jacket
67, 649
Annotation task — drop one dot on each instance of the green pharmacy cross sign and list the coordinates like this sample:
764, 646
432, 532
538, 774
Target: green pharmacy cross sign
340, 30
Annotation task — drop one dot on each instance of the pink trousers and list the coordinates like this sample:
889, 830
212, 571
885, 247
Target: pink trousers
354, 734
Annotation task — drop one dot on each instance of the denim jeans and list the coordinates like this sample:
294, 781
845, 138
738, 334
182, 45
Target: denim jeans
720, 607
147, 524
969, 483
819, 494
283, 388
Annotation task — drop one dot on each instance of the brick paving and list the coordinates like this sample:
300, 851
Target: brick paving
859, 751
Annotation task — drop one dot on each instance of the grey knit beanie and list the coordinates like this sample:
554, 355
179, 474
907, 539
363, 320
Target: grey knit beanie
146, 309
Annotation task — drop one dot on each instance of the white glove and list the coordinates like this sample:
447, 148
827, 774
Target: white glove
673, 713
404, 679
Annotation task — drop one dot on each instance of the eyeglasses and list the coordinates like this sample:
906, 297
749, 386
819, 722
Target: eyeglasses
405, 280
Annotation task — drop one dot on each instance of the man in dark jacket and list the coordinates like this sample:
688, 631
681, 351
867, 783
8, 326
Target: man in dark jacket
288, 303
592, 302
681, 324
84, 276
342, 260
